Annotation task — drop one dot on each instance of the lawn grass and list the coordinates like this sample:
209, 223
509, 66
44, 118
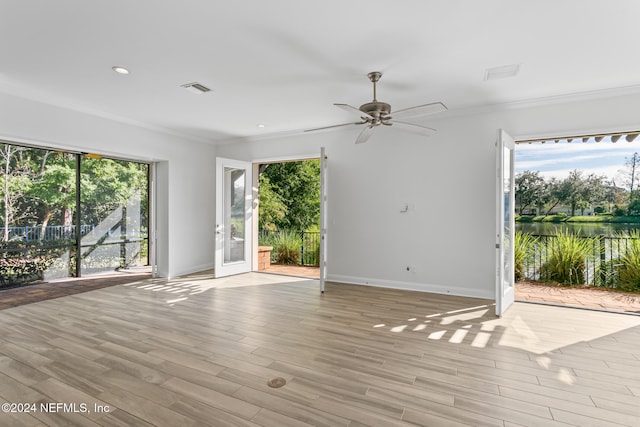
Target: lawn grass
605, 219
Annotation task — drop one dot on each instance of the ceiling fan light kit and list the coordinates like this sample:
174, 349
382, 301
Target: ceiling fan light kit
376, 113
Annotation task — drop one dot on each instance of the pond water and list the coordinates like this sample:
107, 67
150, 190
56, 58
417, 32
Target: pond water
583, 229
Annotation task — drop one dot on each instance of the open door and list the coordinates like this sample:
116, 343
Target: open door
505, 290
234, 195
323, 218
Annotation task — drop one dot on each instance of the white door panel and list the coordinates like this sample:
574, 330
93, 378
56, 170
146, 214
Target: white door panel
323, 218
505, 290
234, 196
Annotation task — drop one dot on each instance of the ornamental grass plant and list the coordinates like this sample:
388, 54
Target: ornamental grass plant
629, 267
566, 262
523, 245
287, 245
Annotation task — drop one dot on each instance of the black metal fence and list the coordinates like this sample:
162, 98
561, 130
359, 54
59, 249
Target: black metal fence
601, 262
305, 246
33, 233
310, 251
35, 253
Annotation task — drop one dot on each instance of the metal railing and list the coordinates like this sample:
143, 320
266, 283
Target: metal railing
309, 242
35, 253
310, 251
600, 263
32, 233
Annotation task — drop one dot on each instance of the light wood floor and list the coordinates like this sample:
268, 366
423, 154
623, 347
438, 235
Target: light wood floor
195, 351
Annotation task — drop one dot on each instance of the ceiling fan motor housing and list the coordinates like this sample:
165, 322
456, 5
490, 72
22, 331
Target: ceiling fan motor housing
378, 110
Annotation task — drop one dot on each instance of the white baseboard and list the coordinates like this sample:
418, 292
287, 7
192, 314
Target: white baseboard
409, 286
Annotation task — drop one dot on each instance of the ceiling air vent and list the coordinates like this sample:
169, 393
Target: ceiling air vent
196, 88
502, 72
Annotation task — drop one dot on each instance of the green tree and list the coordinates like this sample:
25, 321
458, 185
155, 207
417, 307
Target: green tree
53, 189
554, 195
39, 186
594, 191
298, 185
14, 185
107, 184
630, 174
530, 190
572, 190
272, 209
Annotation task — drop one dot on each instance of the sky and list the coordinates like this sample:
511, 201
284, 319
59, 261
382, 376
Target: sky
558, 159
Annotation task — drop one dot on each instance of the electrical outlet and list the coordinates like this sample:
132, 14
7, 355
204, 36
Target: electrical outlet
410, 268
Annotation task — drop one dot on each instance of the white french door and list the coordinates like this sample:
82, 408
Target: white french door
323, 218
505, 290
234, 209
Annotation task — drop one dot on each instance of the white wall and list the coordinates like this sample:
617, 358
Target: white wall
186, 182
448, 180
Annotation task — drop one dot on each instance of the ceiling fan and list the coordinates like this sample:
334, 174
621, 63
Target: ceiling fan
376, 113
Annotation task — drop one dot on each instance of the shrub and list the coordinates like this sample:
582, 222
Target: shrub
286, 246
618, 211
524, 218
629, 268
522, 246
559, 217
22, 270
566, 262
607, 274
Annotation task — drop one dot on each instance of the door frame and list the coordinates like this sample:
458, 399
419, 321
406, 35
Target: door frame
256, 200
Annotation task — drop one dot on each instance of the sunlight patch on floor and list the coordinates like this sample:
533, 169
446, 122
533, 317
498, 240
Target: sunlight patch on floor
458, 336
521, 327
203, 282
481, 339
464, 317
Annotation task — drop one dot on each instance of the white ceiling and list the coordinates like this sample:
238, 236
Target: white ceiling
284, 63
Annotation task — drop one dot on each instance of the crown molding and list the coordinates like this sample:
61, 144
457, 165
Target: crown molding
545, 101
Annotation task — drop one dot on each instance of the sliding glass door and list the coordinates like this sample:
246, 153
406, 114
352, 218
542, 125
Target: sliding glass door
68, 214
114, 201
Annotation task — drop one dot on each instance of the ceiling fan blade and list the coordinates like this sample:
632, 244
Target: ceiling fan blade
420, 110
353, 110
412, 127
365, 134
334, 126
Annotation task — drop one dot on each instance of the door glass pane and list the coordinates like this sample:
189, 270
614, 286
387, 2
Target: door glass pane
507, 244
234, 214
37, 208
113, 215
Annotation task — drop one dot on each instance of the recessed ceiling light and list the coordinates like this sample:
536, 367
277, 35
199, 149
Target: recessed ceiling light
502, 72
120, 70
261, 125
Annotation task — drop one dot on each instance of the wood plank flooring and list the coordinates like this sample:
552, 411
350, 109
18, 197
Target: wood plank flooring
199, 352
